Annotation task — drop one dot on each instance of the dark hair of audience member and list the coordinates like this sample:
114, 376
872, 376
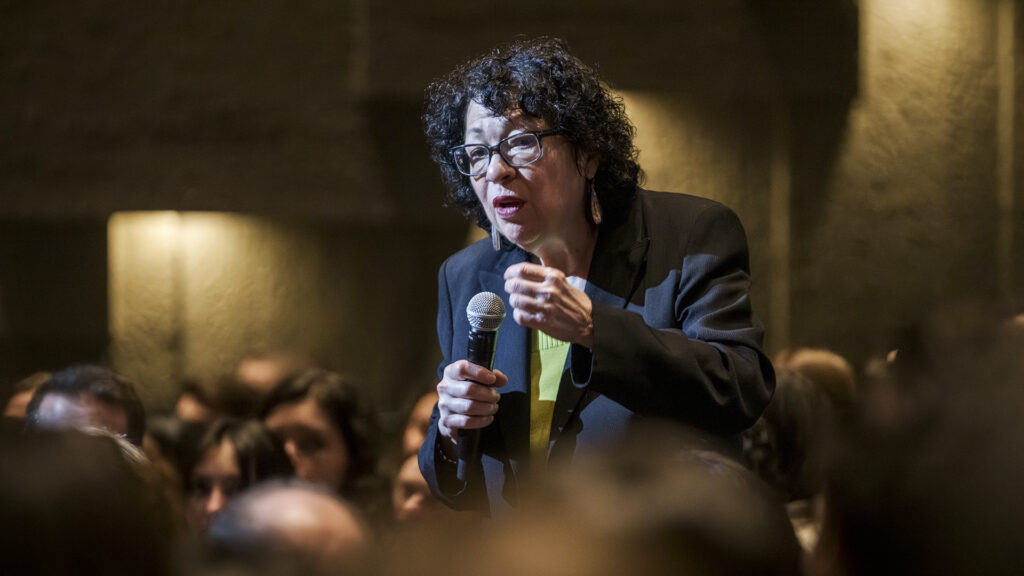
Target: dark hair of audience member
258, 455
177, 442
99, 383
71, 503
341, 402
785, 447
260, 452
927, 479
831, 374
197, 401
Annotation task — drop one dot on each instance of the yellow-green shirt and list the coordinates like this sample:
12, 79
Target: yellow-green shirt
547, 360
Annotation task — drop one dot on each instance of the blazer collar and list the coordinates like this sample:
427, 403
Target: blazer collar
619, 256
616, 271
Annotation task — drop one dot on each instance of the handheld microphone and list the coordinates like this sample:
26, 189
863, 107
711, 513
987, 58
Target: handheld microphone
485, 313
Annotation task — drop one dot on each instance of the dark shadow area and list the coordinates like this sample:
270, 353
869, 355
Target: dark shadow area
53, 295
395, 138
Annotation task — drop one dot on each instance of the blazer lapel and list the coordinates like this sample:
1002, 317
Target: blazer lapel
615, 273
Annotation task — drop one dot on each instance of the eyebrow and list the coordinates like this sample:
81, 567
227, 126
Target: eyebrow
479, 131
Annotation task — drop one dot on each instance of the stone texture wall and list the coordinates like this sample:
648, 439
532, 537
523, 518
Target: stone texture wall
191, 293
897, 211
856, 140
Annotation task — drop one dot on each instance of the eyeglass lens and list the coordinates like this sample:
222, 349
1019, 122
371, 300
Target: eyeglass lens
517, 150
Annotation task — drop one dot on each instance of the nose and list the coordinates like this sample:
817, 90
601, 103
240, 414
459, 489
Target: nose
291, 449
498, 169
215, 502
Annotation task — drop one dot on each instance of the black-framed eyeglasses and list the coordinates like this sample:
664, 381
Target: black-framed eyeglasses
517, 150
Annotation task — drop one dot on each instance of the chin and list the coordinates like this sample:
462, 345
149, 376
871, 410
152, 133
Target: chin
517, 237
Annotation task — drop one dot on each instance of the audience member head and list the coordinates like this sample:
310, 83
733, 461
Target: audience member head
418, 422
21, 395
195, 403
411, 497
294, 520
208, 399
175, 442
831, 374
233, 455
643, 509
86, 395
328, 433
787, 445
925, 481
263, 371
71, 503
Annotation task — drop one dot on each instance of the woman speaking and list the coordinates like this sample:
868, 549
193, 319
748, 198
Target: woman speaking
626, 304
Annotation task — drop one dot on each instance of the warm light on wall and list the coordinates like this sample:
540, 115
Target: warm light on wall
912, 16
665, 136
153, 230
145, 300
191, 292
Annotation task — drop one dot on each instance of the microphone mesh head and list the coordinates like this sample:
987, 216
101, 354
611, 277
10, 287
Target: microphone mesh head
485, 311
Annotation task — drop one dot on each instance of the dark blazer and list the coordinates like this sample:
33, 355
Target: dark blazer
674, 337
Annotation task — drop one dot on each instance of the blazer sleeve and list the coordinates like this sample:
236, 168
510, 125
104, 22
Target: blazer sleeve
439, 473
708, 369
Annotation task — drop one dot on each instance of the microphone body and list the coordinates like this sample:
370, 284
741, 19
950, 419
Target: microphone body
485, 313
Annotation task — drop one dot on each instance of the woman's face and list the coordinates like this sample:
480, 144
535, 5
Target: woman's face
215, 481
315, 446
533, 205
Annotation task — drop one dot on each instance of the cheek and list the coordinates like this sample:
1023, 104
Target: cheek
337, 460
480, 189
339, 456
195, 511
327, 464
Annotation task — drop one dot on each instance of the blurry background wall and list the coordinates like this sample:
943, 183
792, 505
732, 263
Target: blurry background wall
868, 147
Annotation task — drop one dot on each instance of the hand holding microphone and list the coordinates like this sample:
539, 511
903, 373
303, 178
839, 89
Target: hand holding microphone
467, 399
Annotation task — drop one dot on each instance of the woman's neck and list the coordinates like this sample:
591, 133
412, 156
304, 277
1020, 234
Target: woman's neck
573, 256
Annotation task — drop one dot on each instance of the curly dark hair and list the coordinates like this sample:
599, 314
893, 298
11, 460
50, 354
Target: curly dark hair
541, 79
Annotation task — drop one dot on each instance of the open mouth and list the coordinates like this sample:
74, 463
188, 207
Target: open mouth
506, 206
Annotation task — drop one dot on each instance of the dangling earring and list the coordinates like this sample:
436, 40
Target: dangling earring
595, 206
495, 237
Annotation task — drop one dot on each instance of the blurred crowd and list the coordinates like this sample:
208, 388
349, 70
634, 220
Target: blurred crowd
905, 465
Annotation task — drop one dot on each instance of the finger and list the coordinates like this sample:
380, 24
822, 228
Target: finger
500, 379
467, 407
529, 319
465, 370
534, 272
528, 303
460, 421
469, 390
539, 290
